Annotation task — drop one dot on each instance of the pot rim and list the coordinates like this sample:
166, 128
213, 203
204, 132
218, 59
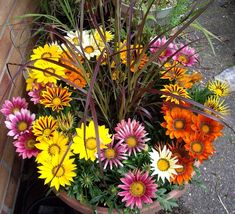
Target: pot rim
88, 209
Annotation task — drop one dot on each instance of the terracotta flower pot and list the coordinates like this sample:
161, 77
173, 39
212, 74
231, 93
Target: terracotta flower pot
150, 209
83, 208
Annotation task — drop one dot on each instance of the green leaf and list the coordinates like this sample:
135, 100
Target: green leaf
167, 204
200, 94
199, 183
161, 191
96, 199
78, 196
197, 171
49, 17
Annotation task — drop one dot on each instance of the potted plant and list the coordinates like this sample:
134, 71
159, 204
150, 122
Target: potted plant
160, 9
121, 121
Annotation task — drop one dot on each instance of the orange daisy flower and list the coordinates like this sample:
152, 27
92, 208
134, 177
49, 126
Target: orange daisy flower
185, 81
67, 59
167, 106
178, 122
56, 98
142, 63
184, 173
207, 127
188, 80
198, 147
76, 78
177, 149
135, 52
196, 77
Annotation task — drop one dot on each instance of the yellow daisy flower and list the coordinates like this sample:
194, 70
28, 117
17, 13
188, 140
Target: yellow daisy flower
219, 88
44, 77
56, 98
44, 127
138, 60
58, 173
87, 148
51, 51
55, 145
215, 103
135, 50
30, 81
108, 36
174, 89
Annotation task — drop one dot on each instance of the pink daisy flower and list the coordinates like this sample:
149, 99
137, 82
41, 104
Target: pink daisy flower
171, 48
187, 56
25, 145
11, 107
132, 135
138, 188
19, 123
113, 155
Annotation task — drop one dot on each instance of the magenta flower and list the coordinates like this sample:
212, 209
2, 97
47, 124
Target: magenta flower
186, 56
19, 123
113, 155
169, 50
11, 107
132, 135
138, 188
35, 95
25, 145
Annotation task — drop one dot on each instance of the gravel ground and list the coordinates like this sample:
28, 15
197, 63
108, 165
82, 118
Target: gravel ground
218, 174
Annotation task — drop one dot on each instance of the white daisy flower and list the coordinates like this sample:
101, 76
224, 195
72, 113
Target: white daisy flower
73, 37
86, 44
164, 164
89, 46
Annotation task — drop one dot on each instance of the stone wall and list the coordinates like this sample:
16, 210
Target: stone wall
15, 43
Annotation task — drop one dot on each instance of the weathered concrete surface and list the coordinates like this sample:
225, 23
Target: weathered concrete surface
218, 174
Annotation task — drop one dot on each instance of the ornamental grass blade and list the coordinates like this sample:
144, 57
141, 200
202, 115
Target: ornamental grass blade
229, 122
